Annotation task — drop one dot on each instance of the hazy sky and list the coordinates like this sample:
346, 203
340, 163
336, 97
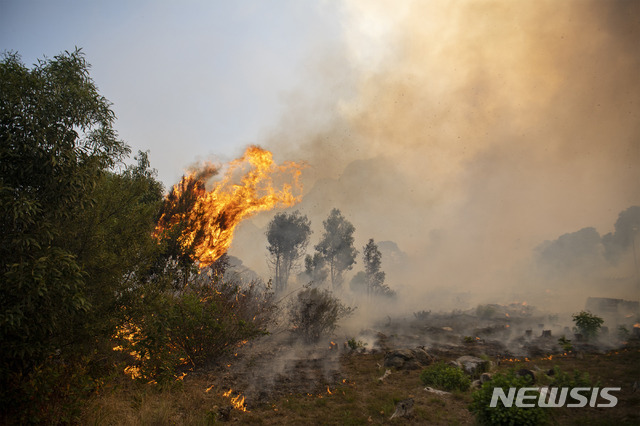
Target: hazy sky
468, 132
188, 79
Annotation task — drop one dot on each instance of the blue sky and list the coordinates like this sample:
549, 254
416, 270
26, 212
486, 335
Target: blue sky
188, 80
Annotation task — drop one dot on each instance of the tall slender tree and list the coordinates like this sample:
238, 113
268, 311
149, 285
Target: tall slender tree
372, 259
288, 237
336, 246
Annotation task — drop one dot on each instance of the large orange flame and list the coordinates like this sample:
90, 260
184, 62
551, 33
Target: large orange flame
208, 218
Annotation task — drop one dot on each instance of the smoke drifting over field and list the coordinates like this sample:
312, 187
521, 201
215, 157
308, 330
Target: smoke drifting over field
469, 133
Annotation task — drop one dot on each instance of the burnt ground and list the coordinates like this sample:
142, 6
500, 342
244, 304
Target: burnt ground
285, 382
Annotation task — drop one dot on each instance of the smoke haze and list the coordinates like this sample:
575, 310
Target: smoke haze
469, 133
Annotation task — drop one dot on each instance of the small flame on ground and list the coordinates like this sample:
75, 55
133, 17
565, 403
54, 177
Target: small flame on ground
329, 391
237, 401
636, 325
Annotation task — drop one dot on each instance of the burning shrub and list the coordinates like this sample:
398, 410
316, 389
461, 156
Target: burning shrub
501, 415
207, 319
315, 313
445, 377
587, 323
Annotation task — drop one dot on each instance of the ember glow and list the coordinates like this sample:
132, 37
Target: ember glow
208, 218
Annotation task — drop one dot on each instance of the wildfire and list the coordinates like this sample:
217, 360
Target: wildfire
207, 219
236, 401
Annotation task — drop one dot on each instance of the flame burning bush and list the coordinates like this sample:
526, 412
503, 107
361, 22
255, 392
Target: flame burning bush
205, 320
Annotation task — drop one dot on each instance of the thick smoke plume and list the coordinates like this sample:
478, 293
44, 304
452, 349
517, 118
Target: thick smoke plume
469, 133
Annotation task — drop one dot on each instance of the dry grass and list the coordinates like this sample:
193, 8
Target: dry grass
357, 398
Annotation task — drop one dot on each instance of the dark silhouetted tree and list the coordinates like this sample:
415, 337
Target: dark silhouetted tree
371, 257
288, 236
315, 268
336, 246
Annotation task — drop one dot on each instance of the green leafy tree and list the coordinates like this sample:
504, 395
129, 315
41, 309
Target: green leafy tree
288, 236
587, 323
336, 246
74, 236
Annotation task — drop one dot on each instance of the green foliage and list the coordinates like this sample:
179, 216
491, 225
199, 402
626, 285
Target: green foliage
501, 415
336, 246
315, 313
587, 323
446, 377
566, 344
577, 379
208, 319
70, 229
356, 345
288, 236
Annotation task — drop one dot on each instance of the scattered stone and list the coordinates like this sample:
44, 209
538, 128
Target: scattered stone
473, 365
384, 376
407, 359
436, 391
485, 377
403, 409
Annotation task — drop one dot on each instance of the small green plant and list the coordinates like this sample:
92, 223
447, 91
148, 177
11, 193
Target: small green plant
563, 379
566, 344
356, 345
446, 377
468, 339
501, 415
587, 323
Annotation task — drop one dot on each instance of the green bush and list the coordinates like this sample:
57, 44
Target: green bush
587, 323
356, 345
315, 313
446, 377
577, 379
209, 318
566, 344
501, 415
